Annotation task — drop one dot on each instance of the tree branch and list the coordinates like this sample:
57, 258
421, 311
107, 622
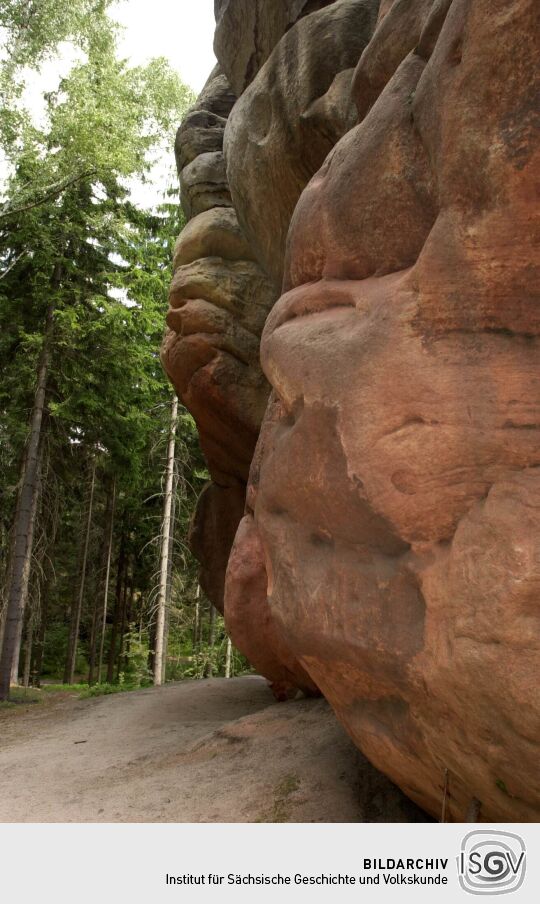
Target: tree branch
13, 264
52, 192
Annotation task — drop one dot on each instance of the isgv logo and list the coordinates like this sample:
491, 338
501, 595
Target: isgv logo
491, 862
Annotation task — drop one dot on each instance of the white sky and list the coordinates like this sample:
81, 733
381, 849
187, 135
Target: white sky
181, 30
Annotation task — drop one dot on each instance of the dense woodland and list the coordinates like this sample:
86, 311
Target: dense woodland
100, 466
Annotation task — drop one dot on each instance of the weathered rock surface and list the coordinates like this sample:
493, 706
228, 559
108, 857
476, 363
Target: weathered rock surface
201, 132
248, 30
390, 550
203, 184
217, 310
218, 304
202, 129
281, 128
396, 487
398, 33
250, 619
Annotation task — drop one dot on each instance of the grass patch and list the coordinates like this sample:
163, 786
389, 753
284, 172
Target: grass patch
21, 695
63, 688
26, 695
84, 691
101, 690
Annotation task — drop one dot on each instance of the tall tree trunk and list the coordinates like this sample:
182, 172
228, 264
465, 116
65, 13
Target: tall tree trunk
165, 539
211, 640
26, 583
123, 618
197, 629
45, 594
28, 650
4, 577
129, 615
107, 579
228, 658
77, 605
93, 640
117, 608
39, 643
103, 581
25, 511
169, 587
197, 616
2, 621
151, 647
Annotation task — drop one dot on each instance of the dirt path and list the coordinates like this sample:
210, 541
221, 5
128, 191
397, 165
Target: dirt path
196, 751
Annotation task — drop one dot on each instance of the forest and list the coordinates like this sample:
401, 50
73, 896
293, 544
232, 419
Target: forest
100, 465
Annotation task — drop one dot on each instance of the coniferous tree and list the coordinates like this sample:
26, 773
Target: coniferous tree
68, 342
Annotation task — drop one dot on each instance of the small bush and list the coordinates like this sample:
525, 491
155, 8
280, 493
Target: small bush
136, 672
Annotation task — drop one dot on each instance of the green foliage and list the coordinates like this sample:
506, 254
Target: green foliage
55, 652
191, 654
103, 690
31, 32
71, 237
102, 124
136, 672
72, 241
63, 688
34, 29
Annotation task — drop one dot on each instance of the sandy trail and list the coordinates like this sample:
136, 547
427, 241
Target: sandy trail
195, 751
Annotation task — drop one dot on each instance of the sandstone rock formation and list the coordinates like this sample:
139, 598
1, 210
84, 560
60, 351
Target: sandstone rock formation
219, 301
248, 30
222, 291
289, 118
390, 549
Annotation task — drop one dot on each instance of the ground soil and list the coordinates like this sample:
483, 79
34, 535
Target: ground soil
195, 751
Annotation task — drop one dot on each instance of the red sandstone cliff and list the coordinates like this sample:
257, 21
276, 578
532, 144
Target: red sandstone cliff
380, 168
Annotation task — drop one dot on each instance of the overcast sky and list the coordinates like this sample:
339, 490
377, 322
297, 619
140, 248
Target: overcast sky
181, 30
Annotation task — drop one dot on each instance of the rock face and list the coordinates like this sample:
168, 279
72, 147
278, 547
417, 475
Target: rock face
390, 549
290, 117
218, 304
248, 30
223, 286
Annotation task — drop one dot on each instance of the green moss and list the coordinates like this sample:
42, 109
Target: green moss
280, 811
